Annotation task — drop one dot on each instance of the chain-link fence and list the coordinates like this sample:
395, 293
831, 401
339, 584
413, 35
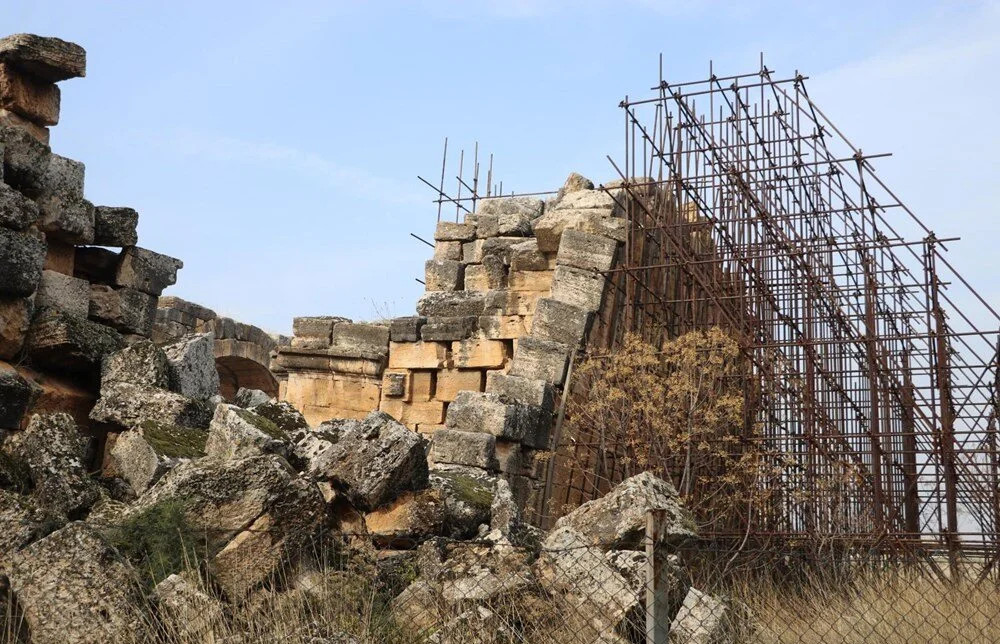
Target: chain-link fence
526, 587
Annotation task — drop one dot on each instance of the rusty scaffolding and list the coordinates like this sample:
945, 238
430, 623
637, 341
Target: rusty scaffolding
750, 210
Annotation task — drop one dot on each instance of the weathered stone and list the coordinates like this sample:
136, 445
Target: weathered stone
487, 226
414, 413
527, 206
419, 607
417, 355
618, 519
187, 612
146, 271
575, 182
142, 455
11, 119
540, 360
478, 353
406, 521
238, 433
22, 255
451, 231
24, 522
16, 396
560, 322
370, 461
701, 619
536, 392
503, 327
525, 256
583, 289
25, 160
129, 405
96, 265
283, 414
394, 384
192, 366
490, 275
54, 452
474, 411
468, 496
34, 100
15, 317
315, 326
549, 227
406, 329
114, 226
586, 199
451, 381
58, 341
142, 363
443, 275
16, 211
360, 340
48, 59
532, 283
472, 252
250, 398
448, 250
257, 510
125, 309
64, 293
448, 329
587, 251
500, 248
73, 588
65, 214
451, 304
456, 447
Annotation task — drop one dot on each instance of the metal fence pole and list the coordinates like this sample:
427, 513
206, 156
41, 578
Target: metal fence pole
657, 595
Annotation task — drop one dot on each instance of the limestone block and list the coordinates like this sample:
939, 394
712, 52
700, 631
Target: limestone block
415, 412
96, 265
65, 214
586, 199
60, 257
129, 405
146, 271
540, 360
503, 327
38, 132
64, 293
448, 329
142, 363
474, 411
478, 353
427, 430
408, 520
407, 385
15, 317
587, 251
490, 275
452, 381
143, 455
47, 59
451, 304
527, 206
500, 247
417, 355
25, 160
22, 94
474, 449
550, 226
487, 226
126, 309
574, 182
525, 256
315, 326
451, 250
115, 226
192, 366
359, 340
62, 342
16, 396
443, 275
503, 302
394, 384
196, 311
508, 456
701, 619
530, 391
187, 611
472, 252
406, 329
561, 322
240, 433
531, 281
250, 398
451, 231
16, 211
583, 289
22, 256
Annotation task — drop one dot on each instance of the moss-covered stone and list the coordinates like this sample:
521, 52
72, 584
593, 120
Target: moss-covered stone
14, 474
282, 414
263, 424
174, 441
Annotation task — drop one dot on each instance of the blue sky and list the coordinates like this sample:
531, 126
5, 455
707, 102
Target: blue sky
275, 148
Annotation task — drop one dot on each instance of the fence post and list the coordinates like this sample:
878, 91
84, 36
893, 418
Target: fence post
657, 596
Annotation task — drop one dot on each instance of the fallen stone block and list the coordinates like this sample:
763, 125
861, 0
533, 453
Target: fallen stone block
406, 329
540, 360
408, 520
451, 381
125, 309
525, 256
474, 411
186, 611
459, 447
15, 318
65, 214
587, 251
559, 322
478, 353
238, 433
250, 398
146, 271
142, 363
17, 212
22, 256
128, 405
451, 231
583, 289
48, 59
451, 304
443, 275
192, 366
16, 396
55, 451
701, 619
114, 226
528, 391
417, 355
618, 519
448, 329
451, 250
24, 523
468, 496
64, 293
74, 588
283, 414
25, 160
32, 99
143, 455
359, 340
370, 461
57, 341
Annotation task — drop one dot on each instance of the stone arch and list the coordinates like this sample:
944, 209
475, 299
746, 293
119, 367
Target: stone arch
243, 364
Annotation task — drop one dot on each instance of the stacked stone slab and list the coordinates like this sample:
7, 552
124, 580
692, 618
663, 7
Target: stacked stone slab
66, 298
